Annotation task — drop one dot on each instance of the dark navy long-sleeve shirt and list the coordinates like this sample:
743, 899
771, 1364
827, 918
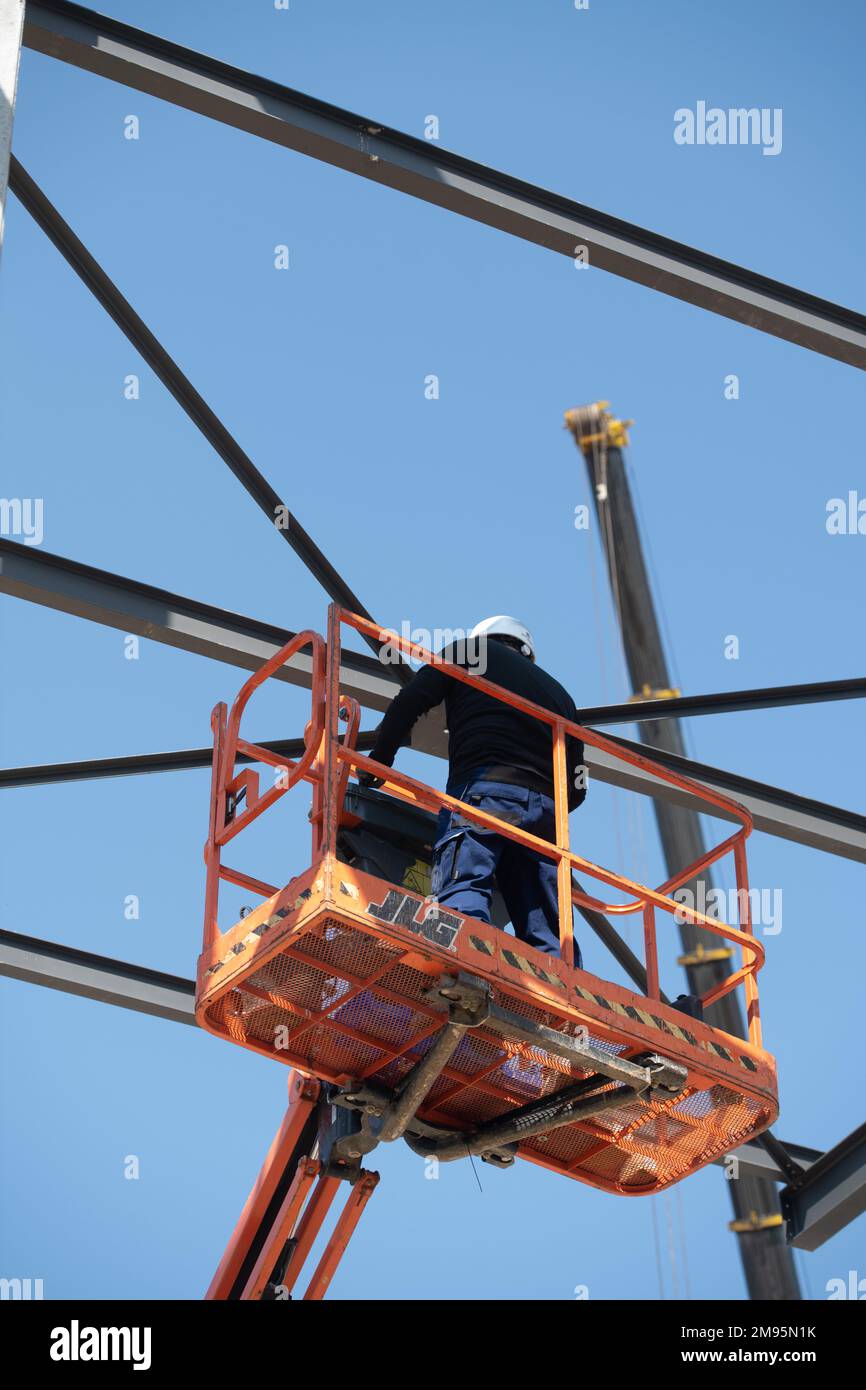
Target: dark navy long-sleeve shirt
483, 731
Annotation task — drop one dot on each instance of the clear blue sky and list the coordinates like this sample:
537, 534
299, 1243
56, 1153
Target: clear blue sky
438, 512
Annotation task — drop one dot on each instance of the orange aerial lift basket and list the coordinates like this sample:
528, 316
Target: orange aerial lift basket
420, 1023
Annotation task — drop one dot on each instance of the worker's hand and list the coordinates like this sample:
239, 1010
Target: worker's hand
369, 779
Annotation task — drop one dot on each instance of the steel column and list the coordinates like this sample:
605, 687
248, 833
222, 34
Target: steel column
767, 1264
11, 29
829, 1195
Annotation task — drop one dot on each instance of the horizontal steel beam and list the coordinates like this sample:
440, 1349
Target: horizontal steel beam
424, 170
97, 977
829, 1196
774, 810
753, 1160
724, 702
85, 592
146, 611
134, 764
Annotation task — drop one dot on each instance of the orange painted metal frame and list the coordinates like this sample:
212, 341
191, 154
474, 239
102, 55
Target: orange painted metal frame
226, 785
230, 961
303, 1094
713, 1057
294, 1219
327, 763
341, 1235
645, 899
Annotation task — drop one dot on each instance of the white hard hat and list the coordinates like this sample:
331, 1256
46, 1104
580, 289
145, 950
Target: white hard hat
503, 626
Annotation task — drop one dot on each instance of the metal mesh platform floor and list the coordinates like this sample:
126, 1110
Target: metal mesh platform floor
338, 992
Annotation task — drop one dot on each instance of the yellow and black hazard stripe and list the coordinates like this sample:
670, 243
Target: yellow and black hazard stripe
674, 1030
257, 932
520, 963
637, 1015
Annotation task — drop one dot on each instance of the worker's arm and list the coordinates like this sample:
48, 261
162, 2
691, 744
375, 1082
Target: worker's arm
426, 689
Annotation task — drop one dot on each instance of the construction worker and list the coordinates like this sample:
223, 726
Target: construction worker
500, 761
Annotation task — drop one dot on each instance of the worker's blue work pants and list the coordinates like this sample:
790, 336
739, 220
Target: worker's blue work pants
467, 859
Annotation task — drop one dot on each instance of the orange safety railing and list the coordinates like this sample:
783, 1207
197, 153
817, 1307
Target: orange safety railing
229, 788
327, 762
